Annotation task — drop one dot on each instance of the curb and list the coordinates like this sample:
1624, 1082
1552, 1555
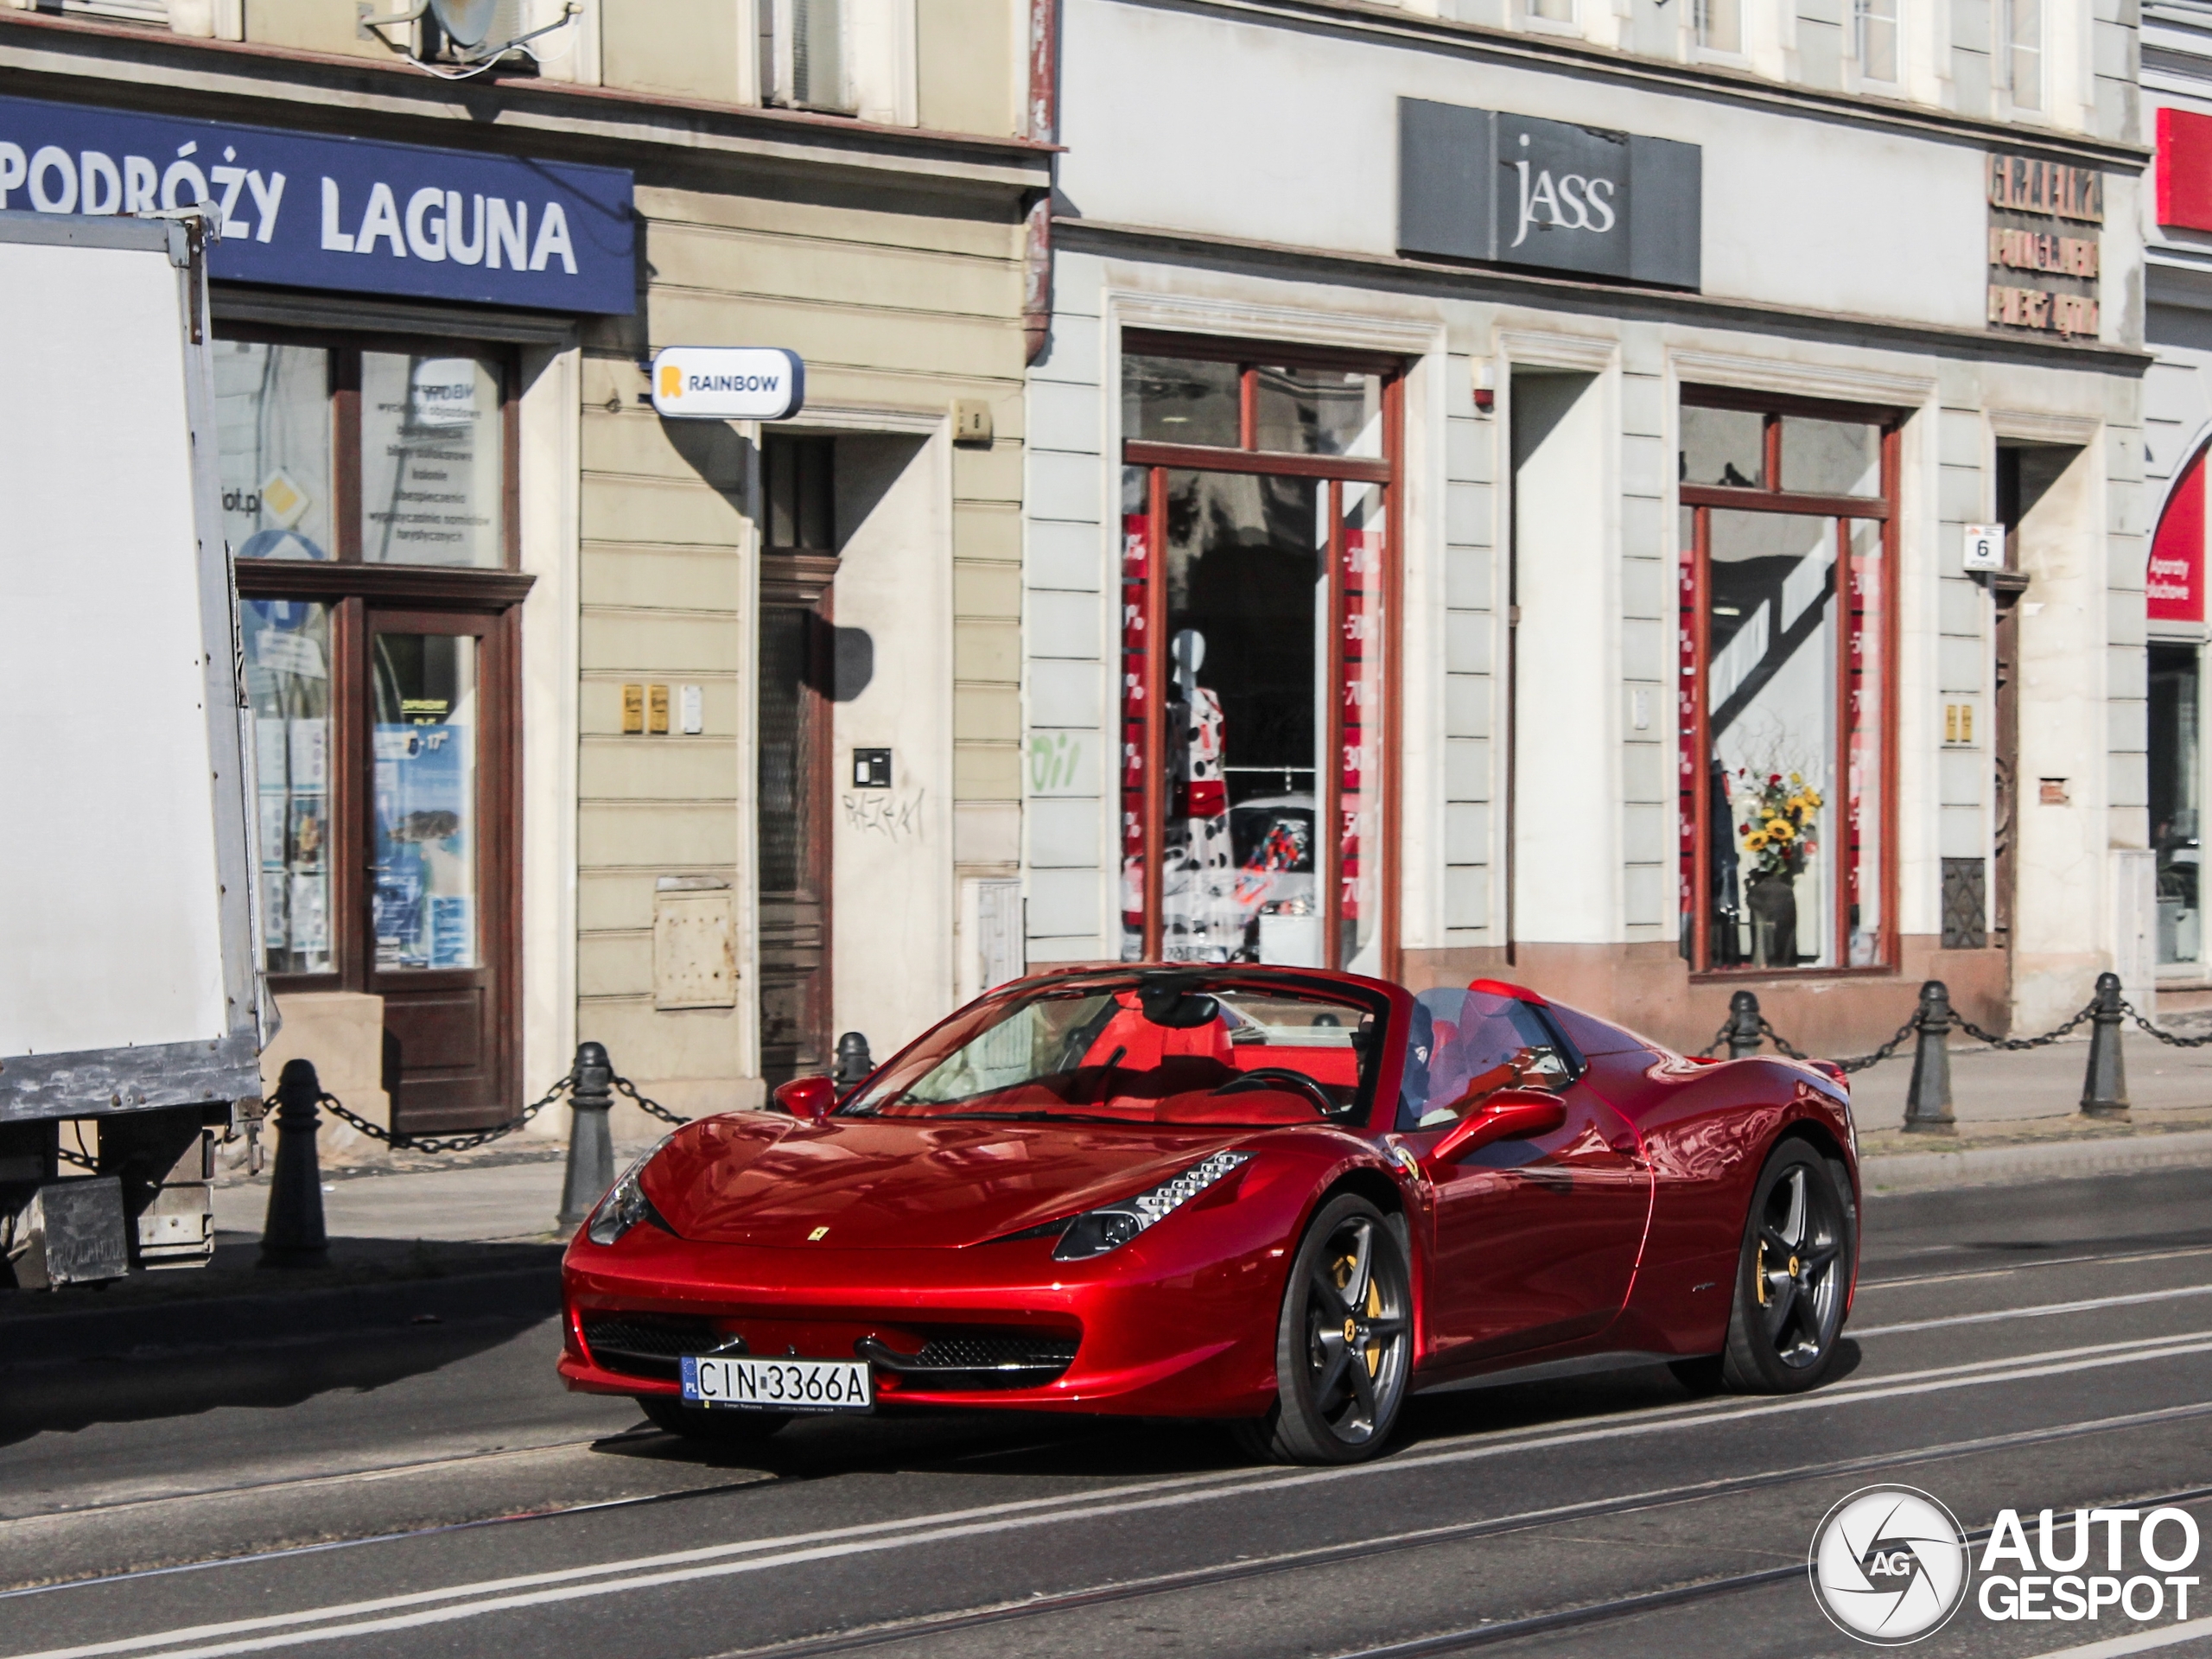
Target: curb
2050, 1160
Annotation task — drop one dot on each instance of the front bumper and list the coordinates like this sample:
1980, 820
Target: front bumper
1151, 1334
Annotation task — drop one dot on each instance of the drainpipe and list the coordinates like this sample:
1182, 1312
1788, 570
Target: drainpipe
1042, 118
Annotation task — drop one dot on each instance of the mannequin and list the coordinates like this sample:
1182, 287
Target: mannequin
1203, 922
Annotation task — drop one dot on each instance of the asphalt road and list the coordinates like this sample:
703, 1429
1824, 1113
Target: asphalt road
268, 1482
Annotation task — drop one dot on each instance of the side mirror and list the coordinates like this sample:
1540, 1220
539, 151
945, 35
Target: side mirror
808, 1099
1508, 1114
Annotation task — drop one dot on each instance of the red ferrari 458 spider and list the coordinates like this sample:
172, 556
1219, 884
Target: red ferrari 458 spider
1273, 1195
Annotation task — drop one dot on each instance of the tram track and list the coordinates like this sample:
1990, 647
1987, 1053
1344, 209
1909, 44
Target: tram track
443, 1605
1460, 1532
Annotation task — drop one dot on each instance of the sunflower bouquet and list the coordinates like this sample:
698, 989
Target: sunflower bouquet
1777, 832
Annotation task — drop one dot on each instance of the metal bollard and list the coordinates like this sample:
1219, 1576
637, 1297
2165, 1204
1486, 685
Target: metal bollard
293, 1234
854, 1063
1743, 1026
1928, 1101
591, 1146
2104, 1085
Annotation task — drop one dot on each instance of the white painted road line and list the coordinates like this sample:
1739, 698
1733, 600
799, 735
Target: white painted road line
2123, 1259
2142, 1641
2041, 1310
715, 1560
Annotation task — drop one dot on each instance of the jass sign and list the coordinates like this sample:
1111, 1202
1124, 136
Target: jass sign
1516, 190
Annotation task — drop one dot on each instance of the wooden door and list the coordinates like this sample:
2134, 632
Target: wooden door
437, 835
794, 803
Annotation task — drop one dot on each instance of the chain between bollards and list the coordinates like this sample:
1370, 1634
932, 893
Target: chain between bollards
293, 1235
1928, 1098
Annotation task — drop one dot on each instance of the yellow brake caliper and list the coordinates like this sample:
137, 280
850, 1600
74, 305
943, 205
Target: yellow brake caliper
1374, 1350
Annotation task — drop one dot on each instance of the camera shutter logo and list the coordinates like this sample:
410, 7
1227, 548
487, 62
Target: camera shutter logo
1889, 1565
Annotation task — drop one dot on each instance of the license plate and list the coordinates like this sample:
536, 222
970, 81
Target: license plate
778, 1384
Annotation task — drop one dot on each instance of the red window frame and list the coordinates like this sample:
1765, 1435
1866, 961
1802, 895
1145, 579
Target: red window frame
1142, 712
1693, 805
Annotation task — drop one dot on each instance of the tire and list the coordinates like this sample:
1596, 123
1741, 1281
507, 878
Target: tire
1337, 1399
1792, 1276
710, 1428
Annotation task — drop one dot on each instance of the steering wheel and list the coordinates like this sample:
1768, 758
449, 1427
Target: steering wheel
1280, 1076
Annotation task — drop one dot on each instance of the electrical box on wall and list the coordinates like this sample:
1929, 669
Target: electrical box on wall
871, 768
695, 945
972, 421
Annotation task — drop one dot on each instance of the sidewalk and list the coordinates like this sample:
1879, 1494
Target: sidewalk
2019, 1120
490, 1197
2019, 1116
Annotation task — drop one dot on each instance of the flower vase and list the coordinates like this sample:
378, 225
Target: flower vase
1772, 901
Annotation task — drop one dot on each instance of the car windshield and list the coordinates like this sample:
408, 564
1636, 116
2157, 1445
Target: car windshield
1169, 1048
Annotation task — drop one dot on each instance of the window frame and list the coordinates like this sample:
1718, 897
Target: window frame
2008, 18
1701, 13
1863, 14
365, 599
1695, 828
1157, 459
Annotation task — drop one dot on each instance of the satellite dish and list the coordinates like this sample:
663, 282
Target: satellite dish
467, 23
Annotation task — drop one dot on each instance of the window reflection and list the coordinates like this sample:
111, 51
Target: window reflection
425, 801
1831, 457
433, 455
287, 651
272, 420
1723, 447
1248, 633
1317, 412
2174, 759
1177, 400
1769, 695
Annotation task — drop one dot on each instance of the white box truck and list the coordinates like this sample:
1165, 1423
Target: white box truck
131, 1002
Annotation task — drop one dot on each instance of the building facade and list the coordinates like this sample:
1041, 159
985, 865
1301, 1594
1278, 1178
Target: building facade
696, 739
1501, 488
2177, 423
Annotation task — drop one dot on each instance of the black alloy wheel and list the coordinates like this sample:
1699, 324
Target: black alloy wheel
708, 1426
1344, 1345
1793, 1276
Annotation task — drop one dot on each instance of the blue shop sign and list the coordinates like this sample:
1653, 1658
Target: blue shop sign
300, 211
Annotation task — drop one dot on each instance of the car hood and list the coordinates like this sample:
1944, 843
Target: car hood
754, 1177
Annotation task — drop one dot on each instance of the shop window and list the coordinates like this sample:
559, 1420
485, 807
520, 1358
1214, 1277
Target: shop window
367, 487
432, 460
1786, 643
272, 412
1258, 633
2176, 768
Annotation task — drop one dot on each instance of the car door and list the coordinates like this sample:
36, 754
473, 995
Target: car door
1536, 1241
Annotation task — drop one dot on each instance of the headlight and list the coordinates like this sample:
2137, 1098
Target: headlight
1110, 1226
625, 1204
